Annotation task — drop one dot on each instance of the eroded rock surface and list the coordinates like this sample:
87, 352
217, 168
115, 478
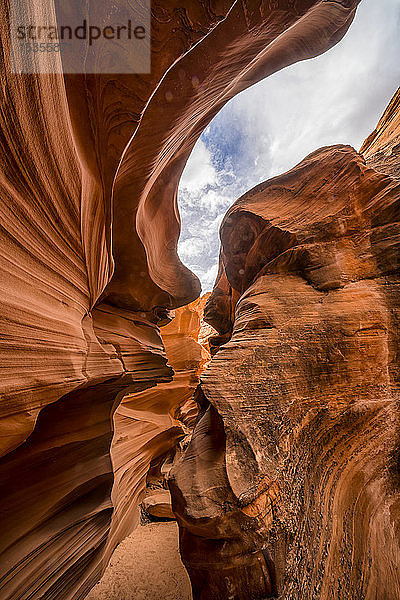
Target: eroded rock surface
382, 148
149, 424
290, 487
89, 171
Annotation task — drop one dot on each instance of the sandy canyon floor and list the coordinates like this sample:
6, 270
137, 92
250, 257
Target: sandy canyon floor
146, 566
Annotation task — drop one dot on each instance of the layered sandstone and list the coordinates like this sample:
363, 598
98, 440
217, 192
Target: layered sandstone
382, 148
149, 424
89, 171
290, 487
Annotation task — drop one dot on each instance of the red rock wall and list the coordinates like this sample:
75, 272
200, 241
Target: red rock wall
382, 148
89, 225
290, 487
148, 424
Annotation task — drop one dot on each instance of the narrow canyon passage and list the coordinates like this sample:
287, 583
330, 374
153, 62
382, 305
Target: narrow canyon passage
146, 566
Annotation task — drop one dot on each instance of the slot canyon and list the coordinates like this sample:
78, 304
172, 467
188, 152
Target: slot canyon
265, 414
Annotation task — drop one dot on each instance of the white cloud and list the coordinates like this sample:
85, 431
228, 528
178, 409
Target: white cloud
199, 172
191, 248
207, 276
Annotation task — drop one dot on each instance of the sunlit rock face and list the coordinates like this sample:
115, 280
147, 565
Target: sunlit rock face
382, 148
89, 225
290, 487
149, 424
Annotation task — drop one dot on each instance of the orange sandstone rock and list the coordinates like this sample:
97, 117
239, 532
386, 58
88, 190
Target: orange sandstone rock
290, 485
148, 424
382, 148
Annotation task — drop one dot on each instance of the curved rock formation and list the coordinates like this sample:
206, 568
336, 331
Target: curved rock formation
89, 269
290, 487
148, 424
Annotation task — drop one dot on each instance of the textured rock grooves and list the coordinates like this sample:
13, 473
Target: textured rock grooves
382, 147
89, 271
290, 486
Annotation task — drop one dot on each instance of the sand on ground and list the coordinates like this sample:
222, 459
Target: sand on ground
145, 566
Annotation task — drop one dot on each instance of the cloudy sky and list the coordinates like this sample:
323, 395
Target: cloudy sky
267, 129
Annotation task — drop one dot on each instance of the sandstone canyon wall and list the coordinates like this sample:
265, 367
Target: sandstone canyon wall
290, 486
89, 270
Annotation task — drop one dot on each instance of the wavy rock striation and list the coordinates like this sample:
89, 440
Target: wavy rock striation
89, 225
382, 148
290, 487
149, 424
